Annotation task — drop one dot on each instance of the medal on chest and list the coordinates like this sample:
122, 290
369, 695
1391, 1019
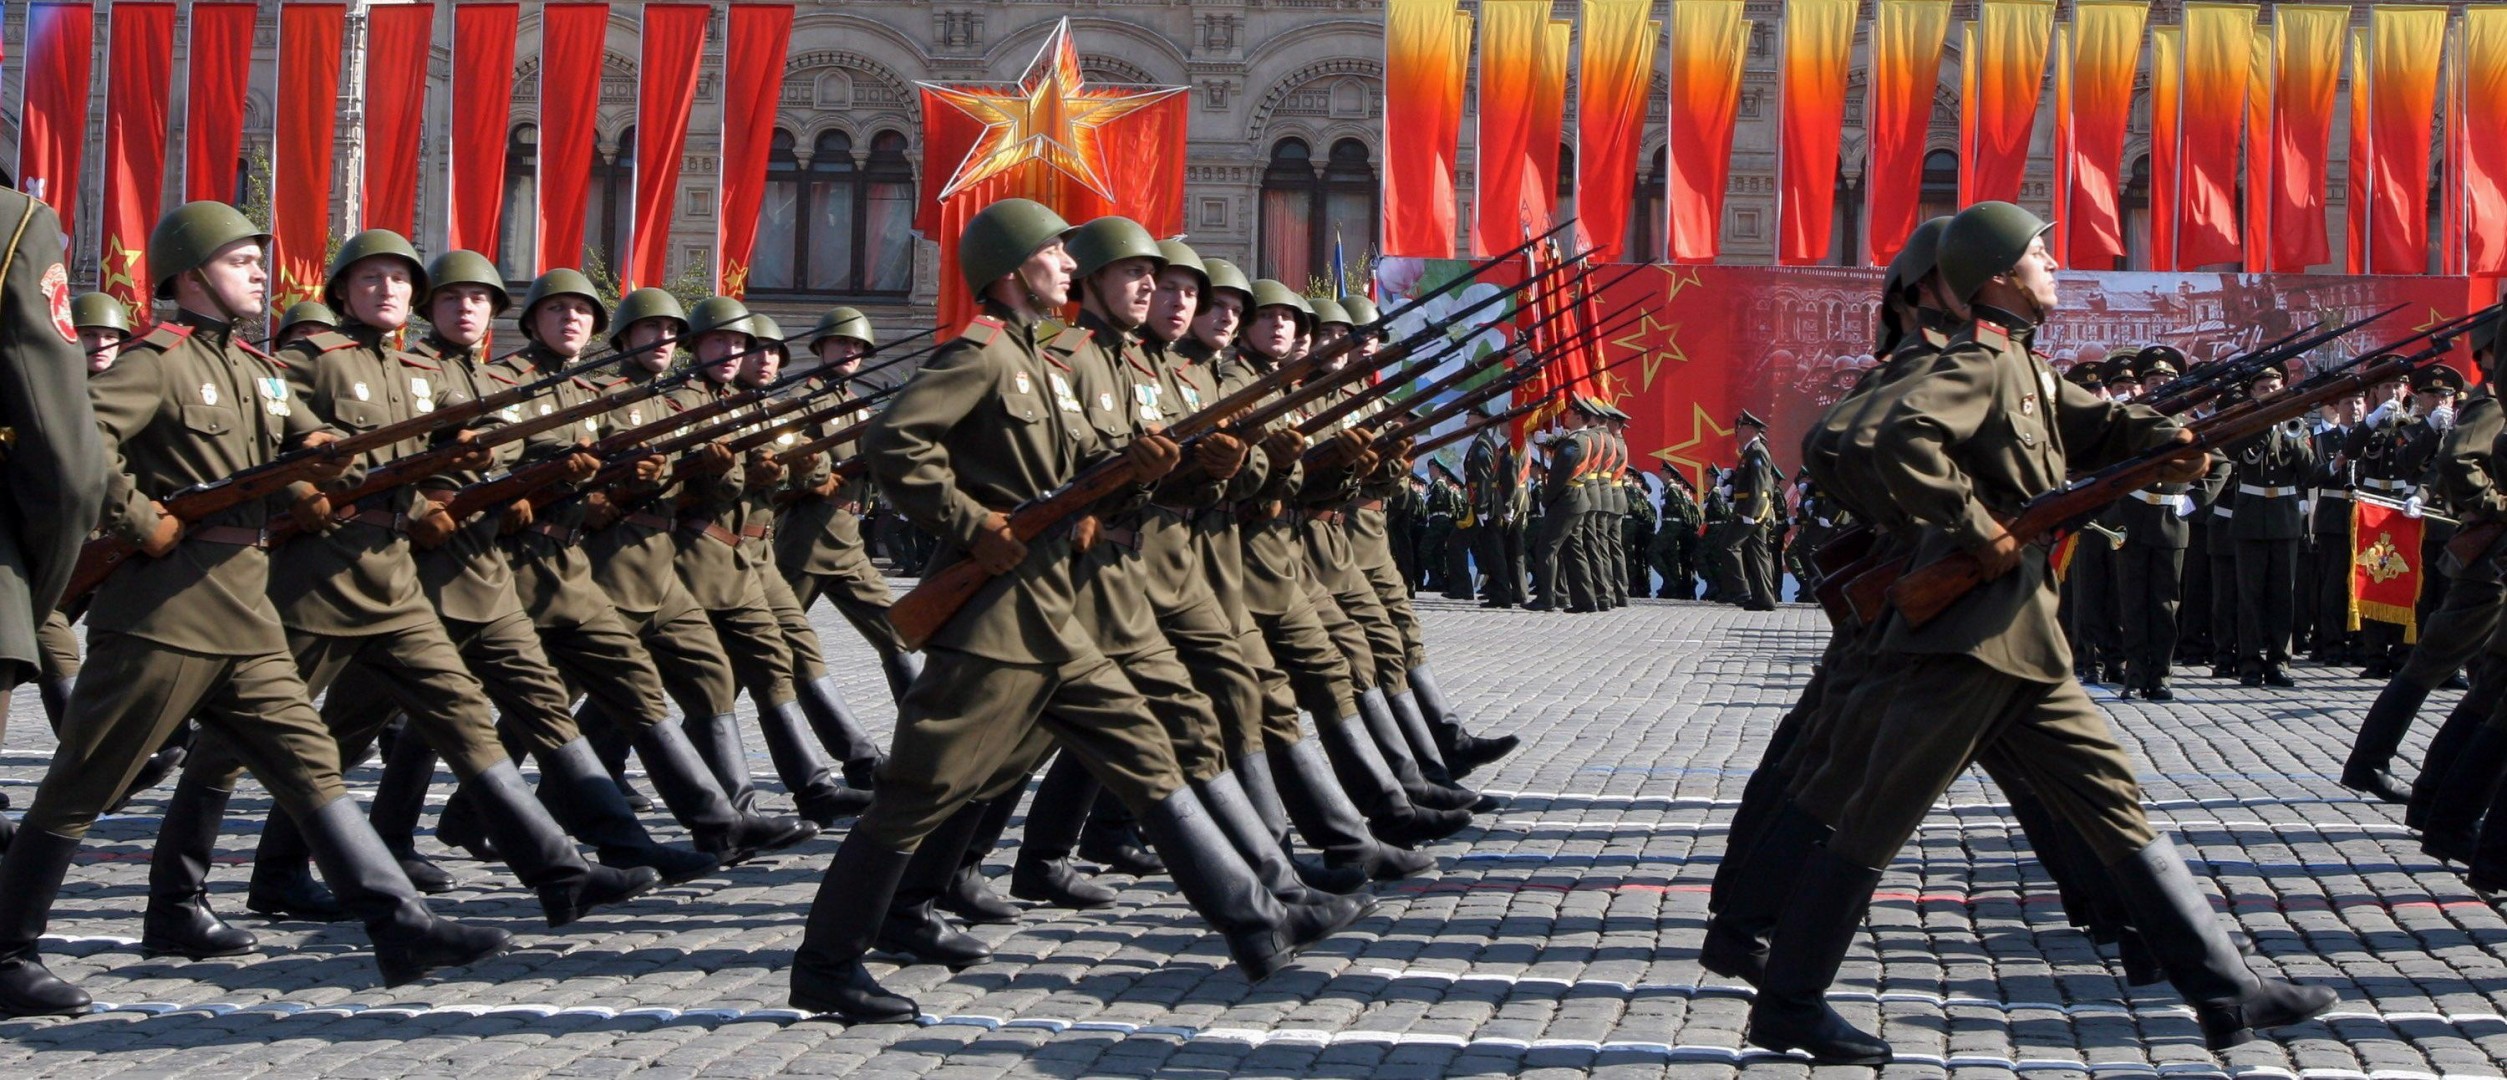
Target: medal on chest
1063, 398
421, 396
1192, 397
1146, 396
1020, 382
358, 391
274, 398
208, 394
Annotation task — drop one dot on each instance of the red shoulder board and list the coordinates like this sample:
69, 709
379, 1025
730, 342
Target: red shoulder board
329, 341
982, 329
1992, 334
1056, 361
499, 375
1069, 341
414, 360
585, 383
1936, 338
166, 335
266, 358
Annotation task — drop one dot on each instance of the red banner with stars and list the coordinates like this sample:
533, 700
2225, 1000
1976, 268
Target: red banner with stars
139, 92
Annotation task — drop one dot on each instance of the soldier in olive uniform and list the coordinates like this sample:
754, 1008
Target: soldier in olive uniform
2272, 471
1554, 569
1756, 489
190, 628
303, 319
1987, 427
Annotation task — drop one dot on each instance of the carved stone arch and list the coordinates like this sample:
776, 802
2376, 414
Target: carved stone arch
824, 24
867, 82
1011, 54
1097, 67
1370, 31
1335, 70
805, 137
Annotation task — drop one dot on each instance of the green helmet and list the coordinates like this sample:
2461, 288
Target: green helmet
1362, 313
647, 303
1985, 240
721, 313
843, 322
561, 282
374, 243
463, 267
1916, 259
188, 235
96, 311
1268, 293
1104, 241
1002, 236
1329, 312
1225, 275
1176, 254
306, 311
769, 334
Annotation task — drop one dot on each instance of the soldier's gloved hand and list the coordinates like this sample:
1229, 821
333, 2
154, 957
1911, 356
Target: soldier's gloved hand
1153, 456
2413, 508
997, 549
168, 533
429, 529
1220, 455
1345, 448
2000, 555
826, 488
473, 456
312, 513
1084, 530
711, 459
517, 517
764, 471
1281, 447
580, 466
648, 469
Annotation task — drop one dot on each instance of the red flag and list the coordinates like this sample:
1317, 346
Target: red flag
213, 111
398, 38
570, 102
1818, 48
749, 95
139, 89
60, 40
483, 75
2385, 566
300, 195
674, 41
1422, 125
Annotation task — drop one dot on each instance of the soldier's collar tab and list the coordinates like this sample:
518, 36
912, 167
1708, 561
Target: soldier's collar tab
166, 335
983, 329
1935, 338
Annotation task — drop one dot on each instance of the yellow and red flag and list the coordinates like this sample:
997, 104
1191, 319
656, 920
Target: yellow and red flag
2385, 566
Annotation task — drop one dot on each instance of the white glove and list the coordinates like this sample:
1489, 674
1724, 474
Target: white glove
2184, 505
2411, 508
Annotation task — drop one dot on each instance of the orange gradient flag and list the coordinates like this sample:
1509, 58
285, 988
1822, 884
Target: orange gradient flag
1709, 41
2258, 190
1905, 71
2484, 141
1818, 48
1514, 35
2307, 73
2167, 82
2218, 41
2059, 240
1549, 125
2405, 44
2010, 66
2106, 55
1421, 132
1612, 85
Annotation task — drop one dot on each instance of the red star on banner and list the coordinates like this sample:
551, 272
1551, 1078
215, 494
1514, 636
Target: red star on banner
1702, 427
1050, 115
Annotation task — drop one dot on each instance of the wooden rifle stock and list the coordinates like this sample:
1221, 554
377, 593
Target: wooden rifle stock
1843, 549
1869, 593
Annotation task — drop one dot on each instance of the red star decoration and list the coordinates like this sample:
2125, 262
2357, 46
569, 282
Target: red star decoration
1050, 115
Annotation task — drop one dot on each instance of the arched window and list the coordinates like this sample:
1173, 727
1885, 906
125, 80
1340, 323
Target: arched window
887, 248
2136, 207
1645, 215
1941, 185
517, 241
1845, 222
1304, 210
839, 225
612, 204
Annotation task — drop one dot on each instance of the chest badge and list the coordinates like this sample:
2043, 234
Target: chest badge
635, 418
359, 390
1192, 397
2028, 405
273, 395
208, 394
1105, 401
1063, 398
1146, 396
1019, 380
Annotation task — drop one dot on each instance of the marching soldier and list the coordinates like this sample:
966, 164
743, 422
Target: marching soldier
303, 319
1555, 567
1444, 555
1756, 485
2272, 471
103, 325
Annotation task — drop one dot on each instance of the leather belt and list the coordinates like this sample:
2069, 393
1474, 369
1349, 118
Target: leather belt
563, 534
381, 519
711, 531
2332, 493
2222, 511
2267, 491
1328, 517
1127, 539
757, 532
2381, 484
230, 535
655, 522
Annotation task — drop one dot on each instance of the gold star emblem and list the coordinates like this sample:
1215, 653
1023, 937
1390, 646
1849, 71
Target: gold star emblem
122, 268
2436, 318
1050, 115
2383, 561
735, 279
1678, 277
1650, 330
1703, 431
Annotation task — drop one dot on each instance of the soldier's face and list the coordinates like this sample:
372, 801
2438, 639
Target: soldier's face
1047, 274
460, 313
2424, 401
761, 367
1273, 332
658, 337
718, 351
2266, 386
1123, 290
236, 277
102, 346
1329, 336
2034, 276
1219, 319
1172, 306
838, 357
378, 290
563, 323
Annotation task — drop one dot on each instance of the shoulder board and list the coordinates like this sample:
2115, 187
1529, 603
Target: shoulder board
410, 359
982, 329
255, 350
1056, 361
610, 383
1936, 338
497, 373
584, 383
166, 336
329, 341
1070, 340
1992, 334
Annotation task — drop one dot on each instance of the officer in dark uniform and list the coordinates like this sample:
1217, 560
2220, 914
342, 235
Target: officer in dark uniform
2149, 566
1493, 484
2379, 447
1675, 549
2271, 475
2327, 582
1444, 554
1756, 492
2089, 611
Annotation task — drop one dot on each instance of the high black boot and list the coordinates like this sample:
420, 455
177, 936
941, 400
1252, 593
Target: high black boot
409, 941
2447, 750
824, 704
721, 829
1464, 752
913, 926
400, 798
155, 769
543, 856
2487, 873
969, 896
1372, 785
611, 742
461, 827
1812, 935
817, 792
179, 921
1112, 837
1327, 819
54, 696
2230, 1000
2381, 733
579, 793
1253, 774
2468, 779
1043, 872
283, 885
902, 668
717, 741
1223, 797
30, 877
1757, 881
1395, 747
1262, 934
852, 903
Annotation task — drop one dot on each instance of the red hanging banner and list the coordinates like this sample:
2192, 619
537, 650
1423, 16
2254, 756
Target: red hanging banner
139, 89
304, 150
2012, 38
2258, 193
2355, 212
1818, 47
674, 41
398, 37
2219, 40
1514, 43
2106, 52
2167, 100
1422, 127
2306, 75
750, 91
1617, 75
1905, 72
2405, 44
60, 42
2484, 141
570, 103
1709, 41
220, 59
482, 93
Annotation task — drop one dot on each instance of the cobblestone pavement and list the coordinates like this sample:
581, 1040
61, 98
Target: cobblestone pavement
1558, 939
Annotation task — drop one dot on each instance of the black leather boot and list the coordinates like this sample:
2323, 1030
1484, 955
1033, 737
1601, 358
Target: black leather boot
30, 877
1416, 735
901, 668
817, 791
1262, 934
852, 903
283, 885
461, 828
1464, 752
155, 769
2230, 1000
1224, 800
717, 742
400, 798
913, 926
1253, 774
1043, 873
1112, 837
1757, 882
1324, 815
1372, 785
697, 799
2468, 782
179, 921
1811, 937
2487, 873
543, 856
409, 941
968, 895
842, 734
579, 793
54, 696
2381, 733
1377, 715
2452, 748
611, 742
